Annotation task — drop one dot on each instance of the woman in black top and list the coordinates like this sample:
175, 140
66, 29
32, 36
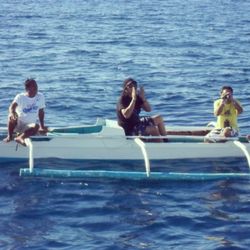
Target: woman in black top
128, 112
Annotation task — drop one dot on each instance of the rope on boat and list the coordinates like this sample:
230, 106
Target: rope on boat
244, 150
31, 156
141, 144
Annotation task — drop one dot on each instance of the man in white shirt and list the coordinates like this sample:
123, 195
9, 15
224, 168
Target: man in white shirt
25, 113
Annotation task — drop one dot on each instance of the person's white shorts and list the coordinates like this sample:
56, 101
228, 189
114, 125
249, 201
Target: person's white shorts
21, 127
217, 135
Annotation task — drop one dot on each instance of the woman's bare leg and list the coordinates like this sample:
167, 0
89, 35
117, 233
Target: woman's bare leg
159, 122
154, 131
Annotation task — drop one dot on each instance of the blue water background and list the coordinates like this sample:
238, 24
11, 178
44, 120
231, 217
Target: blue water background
79, 52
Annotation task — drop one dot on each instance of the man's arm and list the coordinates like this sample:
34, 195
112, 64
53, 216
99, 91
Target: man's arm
218, 108
237, 106
12, 111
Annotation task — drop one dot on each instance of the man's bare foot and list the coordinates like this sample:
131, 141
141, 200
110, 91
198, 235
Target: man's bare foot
20, 141
43, 131
8, 139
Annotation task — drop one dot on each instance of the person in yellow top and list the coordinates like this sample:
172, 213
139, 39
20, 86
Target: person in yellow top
226, 109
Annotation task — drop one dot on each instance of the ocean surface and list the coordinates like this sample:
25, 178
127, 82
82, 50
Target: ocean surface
80, 51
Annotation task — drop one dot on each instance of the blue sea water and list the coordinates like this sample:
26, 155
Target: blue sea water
80, 51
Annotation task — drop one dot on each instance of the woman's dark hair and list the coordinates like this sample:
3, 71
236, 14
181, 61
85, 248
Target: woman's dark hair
125, 84
129, 80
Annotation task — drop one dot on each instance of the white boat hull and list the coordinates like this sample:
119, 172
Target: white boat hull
97, 148
111, 144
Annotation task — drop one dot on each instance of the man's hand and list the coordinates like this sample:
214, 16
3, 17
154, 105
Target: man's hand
13, 116
227, 97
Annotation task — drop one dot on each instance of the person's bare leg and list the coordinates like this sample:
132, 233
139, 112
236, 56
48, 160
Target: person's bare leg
29, 132
227, 132
158, 121
154, 131
11, 126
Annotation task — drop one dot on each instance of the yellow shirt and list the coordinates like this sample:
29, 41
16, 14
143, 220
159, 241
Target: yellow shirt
228, 116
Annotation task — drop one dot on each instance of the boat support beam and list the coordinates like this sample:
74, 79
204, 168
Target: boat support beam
142, 146
244, 150
31, 156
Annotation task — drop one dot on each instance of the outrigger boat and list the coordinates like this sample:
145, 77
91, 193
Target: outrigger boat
105, 140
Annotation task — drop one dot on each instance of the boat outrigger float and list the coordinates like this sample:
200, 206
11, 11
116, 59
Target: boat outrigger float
105, 140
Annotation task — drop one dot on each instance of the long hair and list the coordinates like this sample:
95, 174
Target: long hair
125, 83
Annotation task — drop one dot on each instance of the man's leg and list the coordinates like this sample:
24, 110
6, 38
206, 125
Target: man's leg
26, 134
11, 127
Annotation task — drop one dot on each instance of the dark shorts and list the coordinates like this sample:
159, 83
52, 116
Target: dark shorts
140, 128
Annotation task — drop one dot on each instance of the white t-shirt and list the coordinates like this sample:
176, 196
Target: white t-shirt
27, 107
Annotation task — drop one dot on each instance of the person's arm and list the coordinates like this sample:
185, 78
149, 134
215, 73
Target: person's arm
145, 105
12, 111
218, 108
237, 106
127, 112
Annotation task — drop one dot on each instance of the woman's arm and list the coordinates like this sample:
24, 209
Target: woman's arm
127, 112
